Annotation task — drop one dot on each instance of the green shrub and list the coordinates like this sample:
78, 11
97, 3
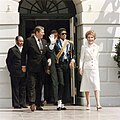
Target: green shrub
117, 56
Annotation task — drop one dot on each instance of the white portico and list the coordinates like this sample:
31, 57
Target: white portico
103, 17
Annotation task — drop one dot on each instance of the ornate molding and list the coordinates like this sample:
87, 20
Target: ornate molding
17, 0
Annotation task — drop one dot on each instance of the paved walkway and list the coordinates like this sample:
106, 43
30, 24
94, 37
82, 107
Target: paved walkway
72, 113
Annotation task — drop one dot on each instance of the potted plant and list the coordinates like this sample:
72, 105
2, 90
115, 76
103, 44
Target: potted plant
117, 56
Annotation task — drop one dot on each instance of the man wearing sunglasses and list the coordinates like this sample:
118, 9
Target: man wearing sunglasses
65, 54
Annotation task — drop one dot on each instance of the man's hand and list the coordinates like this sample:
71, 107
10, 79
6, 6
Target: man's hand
72, 65
24, 68
81, 72
52, 39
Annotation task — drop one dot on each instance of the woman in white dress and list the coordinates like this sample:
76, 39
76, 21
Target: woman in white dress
89, 69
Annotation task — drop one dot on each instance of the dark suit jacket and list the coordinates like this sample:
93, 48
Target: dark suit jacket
31, 55
13, 62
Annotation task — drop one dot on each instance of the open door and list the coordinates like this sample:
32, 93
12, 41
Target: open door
72, 76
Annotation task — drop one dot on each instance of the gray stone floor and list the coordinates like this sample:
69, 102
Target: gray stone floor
72, 113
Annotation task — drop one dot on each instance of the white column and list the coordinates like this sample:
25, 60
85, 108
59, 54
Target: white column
9, 20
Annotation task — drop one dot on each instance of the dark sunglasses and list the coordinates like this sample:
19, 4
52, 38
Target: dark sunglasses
63, 33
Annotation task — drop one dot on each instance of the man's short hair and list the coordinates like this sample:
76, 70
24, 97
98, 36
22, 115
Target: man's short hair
17, 37
38, 28
60, 30
54, 31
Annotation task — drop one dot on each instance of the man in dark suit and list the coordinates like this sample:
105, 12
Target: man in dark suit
34, 60
65, 59
53, 72
18, 82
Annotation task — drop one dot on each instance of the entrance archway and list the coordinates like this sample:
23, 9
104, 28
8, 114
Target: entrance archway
45, 11
52, 14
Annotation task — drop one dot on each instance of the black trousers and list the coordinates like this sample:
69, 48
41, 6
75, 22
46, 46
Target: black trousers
54, 78
18, 85
35, 82
63, 81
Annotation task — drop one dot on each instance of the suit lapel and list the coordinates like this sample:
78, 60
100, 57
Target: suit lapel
17, 51
68, 47
43, 43
37, 47
59, 44
35, 44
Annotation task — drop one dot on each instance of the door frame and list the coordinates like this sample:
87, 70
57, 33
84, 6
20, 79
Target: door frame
72, 36
24, 18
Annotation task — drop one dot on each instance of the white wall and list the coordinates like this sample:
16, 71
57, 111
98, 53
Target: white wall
9, 20
104, 18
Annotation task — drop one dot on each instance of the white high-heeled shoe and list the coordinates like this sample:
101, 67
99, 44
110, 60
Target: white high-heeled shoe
88, 107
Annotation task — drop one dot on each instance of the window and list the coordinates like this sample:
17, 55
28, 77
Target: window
47, 7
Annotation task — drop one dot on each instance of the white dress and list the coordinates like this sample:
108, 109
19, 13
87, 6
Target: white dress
89, 65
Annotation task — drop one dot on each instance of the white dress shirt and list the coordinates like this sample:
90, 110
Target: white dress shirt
20, 48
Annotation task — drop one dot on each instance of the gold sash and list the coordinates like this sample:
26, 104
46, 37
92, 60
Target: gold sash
62, 50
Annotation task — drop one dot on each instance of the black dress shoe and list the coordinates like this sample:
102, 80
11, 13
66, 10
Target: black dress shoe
59, 108
55, 103
63, 108
23, 106
17, 107
43, 103
39, 108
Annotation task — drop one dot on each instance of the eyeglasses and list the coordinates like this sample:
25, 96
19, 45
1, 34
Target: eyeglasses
63, 33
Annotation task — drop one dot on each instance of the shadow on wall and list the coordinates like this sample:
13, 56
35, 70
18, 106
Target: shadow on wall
4, 74
5, 89
111, 15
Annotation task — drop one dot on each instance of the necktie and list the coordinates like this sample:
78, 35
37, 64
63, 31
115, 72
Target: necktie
40, 44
